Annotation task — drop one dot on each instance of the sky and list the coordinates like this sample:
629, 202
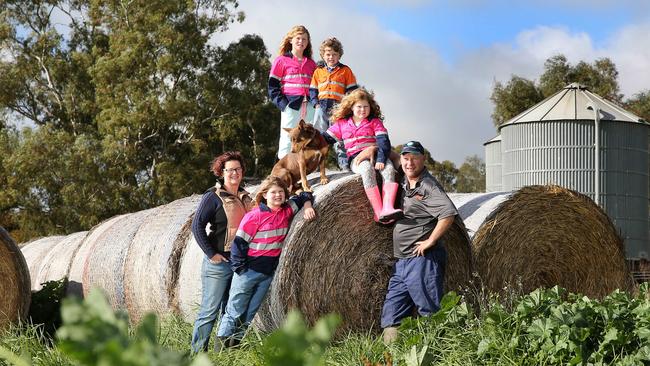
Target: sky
432, 64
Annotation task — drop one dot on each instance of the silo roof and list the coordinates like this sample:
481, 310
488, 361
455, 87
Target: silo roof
571, 103
496, 138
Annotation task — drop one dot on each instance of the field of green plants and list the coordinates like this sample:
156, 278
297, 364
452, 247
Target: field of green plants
545, 327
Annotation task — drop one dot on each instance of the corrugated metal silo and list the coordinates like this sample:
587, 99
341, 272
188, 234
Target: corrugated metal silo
554, 142
493, 165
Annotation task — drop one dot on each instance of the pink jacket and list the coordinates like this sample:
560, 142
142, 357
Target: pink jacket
357, 138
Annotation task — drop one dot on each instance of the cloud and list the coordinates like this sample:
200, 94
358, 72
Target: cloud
445, 106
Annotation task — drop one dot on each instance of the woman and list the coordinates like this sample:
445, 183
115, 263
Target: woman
223, 207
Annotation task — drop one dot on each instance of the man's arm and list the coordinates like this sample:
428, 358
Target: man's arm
441, 228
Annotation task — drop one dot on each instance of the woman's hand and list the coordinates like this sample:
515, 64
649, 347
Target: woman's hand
309, 213
218, 258
379, 166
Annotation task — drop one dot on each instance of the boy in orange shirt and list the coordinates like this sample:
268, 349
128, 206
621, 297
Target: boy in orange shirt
329, 83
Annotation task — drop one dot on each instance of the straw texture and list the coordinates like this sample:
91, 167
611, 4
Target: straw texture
56, 263
75, 280
341, 262
14, 282
104, 267
549, 235
152, 261
35, 252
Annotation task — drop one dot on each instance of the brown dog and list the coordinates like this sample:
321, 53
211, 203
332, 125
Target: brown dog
308, 151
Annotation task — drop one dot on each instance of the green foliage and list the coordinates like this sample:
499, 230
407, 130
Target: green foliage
45, 306
129, 106
295, 344
92, 334
513, 98
640, 104
519, 94
471, 175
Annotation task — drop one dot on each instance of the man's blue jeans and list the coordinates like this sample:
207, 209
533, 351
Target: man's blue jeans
415, 282
215, 279
246, 294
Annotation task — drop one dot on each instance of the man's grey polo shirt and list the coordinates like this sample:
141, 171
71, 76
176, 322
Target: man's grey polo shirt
423, 206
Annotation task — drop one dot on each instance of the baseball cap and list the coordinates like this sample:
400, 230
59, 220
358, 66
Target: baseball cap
413, 147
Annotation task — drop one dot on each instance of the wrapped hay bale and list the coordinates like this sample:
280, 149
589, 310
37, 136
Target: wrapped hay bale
105, 258
549, 235
14, 282
56, 263
473, 208
152, 261
75, 280
341, 262
35, 252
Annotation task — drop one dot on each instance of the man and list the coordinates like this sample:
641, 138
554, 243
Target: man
418, 274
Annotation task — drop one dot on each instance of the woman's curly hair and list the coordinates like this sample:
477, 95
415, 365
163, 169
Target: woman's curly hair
217, 165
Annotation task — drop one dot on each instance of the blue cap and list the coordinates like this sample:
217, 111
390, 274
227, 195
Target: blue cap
412, 147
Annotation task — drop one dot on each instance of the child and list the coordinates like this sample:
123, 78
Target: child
289, 80
359, 126
255, 255
328, 86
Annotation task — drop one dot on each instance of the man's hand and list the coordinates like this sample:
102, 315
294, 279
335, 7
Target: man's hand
309, 213
366, 154
422, 246
218, 258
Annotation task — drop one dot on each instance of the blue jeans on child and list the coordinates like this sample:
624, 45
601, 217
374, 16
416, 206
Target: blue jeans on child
215, 280
415, 281
247, 292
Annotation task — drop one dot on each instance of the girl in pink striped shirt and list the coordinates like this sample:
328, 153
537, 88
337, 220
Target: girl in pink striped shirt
255, 255
359, 126
289, 82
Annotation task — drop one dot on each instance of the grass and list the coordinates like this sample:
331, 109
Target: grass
545, 327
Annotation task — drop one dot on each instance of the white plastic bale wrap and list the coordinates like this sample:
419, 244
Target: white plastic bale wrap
474, 208
104, 266
75, 279
14, 282
56, 263
35, 252
152, 261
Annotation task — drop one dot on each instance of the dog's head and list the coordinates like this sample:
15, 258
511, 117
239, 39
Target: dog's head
301, 135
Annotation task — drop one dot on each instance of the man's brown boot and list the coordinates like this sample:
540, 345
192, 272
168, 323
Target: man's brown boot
390, 335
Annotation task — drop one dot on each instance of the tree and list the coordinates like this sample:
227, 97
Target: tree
513, 98
130, 105
446, 173
640, 104
471, 175
519, 93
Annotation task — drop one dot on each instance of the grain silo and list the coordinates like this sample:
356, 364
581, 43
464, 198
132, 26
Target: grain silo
493, 165
554, 143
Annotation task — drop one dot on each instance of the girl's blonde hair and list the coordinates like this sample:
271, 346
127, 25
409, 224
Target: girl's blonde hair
267, 183
344, 109
285, 45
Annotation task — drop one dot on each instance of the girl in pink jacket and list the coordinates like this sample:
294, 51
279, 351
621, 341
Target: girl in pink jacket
359, 126
289, 83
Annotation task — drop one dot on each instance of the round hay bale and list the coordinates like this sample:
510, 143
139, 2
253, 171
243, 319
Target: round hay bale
35, 252
104, 265
56, 263
473, 208
152, 261
549, 235
75, 280
341, 262
14, 282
